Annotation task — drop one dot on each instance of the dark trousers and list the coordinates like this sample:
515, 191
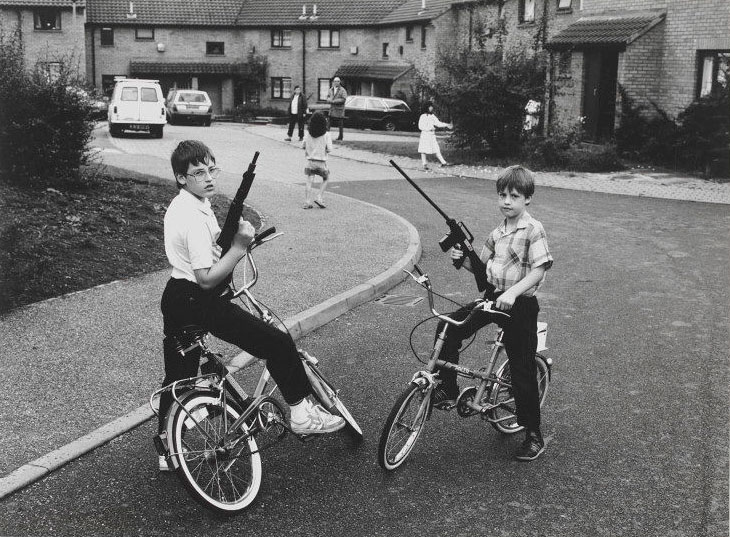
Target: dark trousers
337, 122
297, 119
185, 303
520, 342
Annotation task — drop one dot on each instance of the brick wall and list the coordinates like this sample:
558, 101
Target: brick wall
48, 45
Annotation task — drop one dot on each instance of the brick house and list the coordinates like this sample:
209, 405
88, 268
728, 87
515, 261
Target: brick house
222, 46
51, 31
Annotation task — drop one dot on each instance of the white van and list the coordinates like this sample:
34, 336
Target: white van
137, 105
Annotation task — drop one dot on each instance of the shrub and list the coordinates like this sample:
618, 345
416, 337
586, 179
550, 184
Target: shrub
486, 96
45, 122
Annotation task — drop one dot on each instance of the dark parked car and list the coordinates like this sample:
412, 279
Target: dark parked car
374, 113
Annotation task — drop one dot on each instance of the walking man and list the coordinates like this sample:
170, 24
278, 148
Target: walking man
336, 96
297, 113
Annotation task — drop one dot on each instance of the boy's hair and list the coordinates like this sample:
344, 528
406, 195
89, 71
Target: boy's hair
516, 177
317, 125
189, 152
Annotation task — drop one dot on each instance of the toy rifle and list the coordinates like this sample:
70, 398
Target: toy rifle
230, 227
457, 237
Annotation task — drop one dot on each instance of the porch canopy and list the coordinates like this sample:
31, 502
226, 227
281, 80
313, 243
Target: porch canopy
373, 70
608, 30
189, 68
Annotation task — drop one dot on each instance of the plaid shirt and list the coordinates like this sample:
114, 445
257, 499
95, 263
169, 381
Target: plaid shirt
510, 256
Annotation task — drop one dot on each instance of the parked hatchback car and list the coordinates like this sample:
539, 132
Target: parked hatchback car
188, 105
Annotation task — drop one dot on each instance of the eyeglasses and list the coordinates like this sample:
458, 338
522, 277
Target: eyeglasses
202, 174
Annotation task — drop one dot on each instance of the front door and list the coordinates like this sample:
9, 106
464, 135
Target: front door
599, 93
212, 86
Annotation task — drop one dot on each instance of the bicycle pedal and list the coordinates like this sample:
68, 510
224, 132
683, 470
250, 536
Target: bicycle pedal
305, 437
445, 406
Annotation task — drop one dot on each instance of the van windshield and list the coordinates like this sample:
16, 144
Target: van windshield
129, 94
149, 95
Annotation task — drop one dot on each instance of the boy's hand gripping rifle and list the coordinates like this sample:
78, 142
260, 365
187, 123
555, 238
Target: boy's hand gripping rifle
458, 236
230, 227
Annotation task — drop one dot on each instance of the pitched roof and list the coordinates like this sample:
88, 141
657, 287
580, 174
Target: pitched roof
189, 68
616, 29
164, 12
414, 11
241, 13
379, 70
42, 3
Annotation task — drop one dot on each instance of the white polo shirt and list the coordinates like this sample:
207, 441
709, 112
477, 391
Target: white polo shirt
191, 230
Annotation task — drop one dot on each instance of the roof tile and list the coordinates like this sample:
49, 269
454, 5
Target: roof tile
606, 30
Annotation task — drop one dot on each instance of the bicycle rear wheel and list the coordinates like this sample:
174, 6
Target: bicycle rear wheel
403, 426
330, 399
504, 418
223, 476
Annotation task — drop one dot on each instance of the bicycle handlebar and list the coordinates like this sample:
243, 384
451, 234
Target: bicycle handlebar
266, 235
423, 280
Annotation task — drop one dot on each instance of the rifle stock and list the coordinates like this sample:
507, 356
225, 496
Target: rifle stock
457, 237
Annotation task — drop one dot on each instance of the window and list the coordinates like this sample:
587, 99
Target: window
280, 88
359, 103
409, 34
714, 69
565, 5
376, 104
323, 87
149, 95
565, 61
144, 34
47, 18
526, 11
129, 94
281, 38
423, 37
329, 39
107, 37
214, 48
385, 49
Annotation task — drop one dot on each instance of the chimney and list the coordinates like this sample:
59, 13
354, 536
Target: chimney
131, 14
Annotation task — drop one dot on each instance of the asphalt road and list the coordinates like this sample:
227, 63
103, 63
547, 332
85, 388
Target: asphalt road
637, 305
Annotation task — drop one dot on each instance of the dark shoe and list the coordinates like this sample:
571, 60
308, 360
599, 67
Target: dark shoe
444, 397
531, 448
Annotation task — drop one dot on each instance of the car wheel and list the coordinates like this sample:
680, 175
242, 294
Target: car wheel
389, 125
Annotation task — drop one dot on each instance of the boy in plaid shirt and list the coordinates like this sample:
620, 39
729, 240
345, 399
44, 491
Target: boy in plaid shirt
516, 256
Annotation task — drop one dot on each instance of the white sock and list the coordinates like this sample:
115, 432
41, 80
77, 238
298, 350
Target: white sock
299, 409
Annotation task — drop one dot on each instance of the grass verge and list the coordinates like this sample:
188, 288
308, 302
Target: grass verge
54, 242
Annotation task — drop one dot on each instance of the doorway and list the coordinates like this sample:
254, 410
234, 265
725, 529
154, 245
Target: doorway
599, 93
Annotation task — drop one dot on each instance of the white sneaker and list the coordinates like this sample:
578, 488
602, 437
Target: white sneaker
162, 464
313, 419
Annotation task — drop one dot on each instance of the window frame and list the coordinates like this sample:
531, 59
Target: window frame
210, 46
386, 47
521, 12
38, 21
137, 36
279, 84
423, 36
409, 33
564, 9
702, 56
323, 83
109, 32
281, 34
330, 33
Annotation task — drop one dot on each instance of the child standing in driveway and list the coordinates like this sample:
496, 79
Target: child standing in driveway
317, 143
427, 144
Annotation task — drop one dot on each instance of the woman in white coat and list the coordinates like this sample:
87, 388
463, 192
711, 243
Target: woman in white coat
428, 145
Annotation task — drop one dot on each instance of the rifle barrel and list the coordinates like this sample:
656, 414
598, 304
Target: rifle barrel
421, 192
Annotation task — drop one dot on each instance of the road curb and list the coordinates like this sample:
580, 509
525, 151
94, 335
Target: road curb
299, 325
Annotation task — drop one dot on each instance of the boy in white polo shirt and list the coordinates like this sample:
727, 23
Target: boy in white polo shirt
191, 230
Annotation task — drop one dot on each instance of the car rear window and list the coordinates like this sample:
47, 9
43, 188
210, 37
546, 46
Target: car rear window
149, 95
129, 94
191, 98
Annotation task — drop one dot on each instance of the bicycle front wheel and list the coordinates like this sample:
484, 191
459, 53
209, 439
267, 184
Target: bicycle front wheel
330, 399
504, 416
403, 426
223, 476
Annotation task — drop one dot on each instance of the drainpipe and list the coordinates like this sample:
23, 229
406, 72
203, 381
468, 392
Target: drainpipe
304, 62
93, 56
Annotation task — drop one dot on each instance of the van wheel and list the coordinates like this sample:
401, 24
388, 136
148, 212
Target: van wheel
206, 123
114, 131
156, 131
